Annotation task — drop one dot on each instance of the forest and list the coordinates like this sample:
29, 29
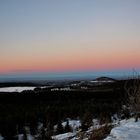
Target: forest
31, 107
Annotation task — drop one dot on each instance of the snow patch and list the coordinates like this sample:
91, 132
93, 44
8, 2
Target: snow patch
64, 136
127, 130
74, 124
16, 89
1, 138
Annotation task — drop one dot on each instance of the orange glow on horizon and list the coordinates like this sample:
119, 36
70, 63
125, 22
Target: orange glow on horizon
75, 63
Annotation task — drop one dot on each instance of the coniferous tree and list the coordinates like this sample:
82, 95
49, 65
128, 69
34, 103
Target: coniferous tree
43, 134
86, 121
67, 127
24, 134
60, 129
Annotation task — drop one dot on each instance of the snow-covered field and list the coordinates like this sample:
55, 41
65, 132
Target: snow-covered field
16, 89
127, 130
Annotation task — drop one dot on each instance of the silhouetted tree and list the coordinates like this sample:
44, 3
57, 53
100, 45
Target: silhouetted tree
67, 127
86, 121
60, 129
133, 91
24, 134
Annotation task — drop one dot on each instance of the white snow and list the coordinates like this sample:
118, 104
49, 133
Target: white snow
61, 89
103, 81
74, 124
20, 137
64, 136
115, 119
127, 130
1, 138
16, 89
30, 137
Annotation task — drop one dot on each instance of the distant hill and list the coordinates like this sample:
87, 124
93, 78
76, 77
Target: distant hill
105, 79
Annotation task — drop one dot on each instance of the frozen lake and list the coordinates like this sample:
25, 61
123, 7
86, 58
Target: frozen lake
15, 89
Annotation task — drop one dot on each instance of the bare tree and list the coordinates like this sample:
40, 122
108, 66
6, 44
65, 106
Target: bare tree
132, 88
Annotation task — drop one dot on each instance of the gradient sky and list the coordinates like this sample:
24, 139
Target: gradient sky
69, 35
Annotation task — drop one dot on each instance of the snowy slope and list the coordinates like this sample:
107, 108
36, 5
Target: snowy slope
127, 130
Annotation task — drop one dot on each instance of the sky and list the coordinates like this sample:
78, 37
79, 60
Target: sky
45, 36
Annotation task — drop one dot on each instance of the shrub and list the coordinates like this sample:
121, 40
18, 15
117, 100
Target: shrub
100, 133
133, 95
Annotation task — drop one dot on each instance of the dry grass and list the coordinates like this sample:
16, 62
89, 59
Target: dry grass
100, 133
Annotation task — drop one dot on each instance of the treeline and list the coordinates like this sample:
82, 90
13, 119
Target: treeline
15, 84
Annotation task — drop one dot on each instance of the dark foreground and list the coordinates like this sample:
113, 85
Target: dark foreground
28, 108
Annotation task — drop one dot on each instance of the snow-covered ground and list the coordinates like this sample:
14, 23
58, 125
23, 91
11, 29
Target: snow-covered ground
64, 136
126, 130
74, 124
1, 138
76, 131
21, 137
16, 89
